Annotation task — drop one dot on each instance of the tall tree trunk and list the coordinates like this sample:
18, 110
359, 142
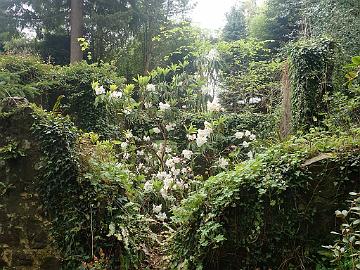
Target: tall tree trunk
76, 24
285, 125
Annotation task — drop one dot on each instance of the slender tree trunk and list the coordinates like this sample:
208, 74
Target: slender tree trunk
76, 24
146, 53
285, 125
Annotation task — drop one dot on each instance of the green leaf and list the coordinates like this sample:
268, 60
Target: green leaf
219, 238
356, 60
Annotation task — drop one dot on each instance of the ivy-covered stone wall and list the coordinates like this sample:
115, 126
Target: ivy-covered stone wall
25, 242
275, 211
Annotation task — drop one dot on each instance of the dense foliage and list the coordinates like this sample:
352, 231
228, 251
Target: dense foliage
112, 27
251, 78
267, 209
85, 191
65, 90
345, 252
173, 148
22, 76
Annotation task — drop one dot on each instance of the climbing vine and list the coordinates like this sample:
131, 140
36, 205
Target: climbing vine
85, 192
311, 68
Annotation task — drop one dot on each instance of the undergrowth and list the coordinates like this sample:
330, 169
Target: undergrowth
271, 211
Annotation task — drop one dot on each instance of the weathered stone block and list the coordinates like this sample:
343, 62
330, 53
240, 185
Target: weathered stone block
22, 259
11, 237
3, 217
24, 235
50, 263
37, 237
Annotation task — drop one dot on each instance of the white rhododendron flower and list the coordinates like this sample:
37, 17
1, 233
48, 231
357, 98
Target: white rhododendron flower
140, 152
252, 137
170, 127
116, 94
148, 187
175, 172
157, 208
168, 182
163, 175
214, 106
151, 88
223, 163
161, 216
191, 137
147, 105
203, 134
124, 145
245, 144
164, 193
164, 106
239, 135
170, 163
187, 154
201, 140
247, 133
250, 155
180, 184
207, 125
126, 156
127, 111
128, 134
146, 138
99, 90
342, 213
156, 130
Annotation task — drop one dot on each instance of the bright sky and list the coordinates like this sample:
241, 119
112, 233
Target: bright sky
211, 13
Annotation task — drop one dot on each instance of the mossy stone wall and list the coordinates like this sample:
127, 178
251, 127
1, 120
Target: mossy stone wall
25, 242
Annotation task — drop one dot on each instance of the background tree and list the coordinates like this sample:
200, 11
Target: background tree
76, 25
8, 24
338, 19
111, 26
235, 27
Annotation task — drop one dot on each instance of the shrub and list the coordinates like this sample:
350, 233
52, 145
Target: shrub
251, 79
24, 76
75, 83
345, 251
